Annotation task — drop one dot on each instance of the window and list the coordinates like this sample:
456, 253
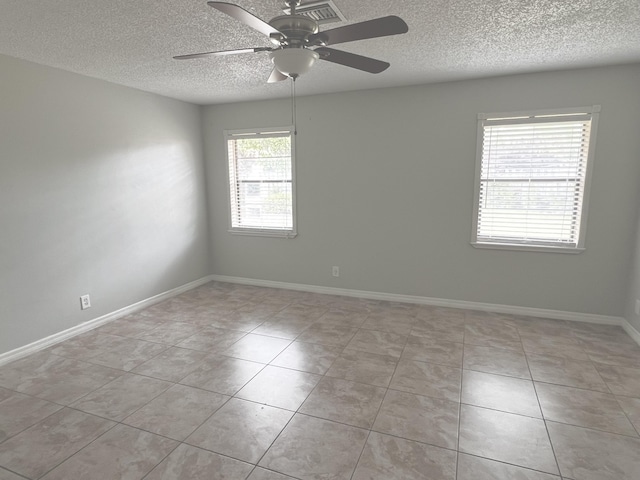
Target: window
261, 188
532, 179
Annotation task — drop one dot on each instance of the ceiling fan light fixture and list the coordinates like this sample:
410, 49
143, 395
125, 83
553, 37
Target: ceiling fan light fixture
293, 61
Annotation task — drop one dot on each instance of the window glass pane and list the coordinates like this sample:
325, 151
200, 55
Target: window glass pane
532, 181
261, 181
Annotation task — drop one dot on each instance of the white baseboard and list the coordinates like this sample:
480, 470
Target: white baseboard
392, 297
438, 302
43, 343
631, 330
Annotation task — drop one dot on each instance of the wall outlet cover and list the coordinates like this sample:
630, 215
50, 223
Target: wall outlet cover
85, 302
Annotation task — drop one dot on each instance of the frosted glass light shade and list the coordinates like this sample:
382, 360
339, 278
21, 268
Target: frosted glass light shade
293, 61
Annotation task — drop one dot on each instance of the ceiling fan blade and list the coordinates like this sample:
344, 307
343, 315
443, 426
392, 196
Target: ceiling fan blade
352, 60
379, 27
276, 76
245, 17
222, 52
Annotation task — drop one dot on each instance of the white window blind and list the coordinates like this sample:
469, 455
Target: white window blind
261, 181
533, 179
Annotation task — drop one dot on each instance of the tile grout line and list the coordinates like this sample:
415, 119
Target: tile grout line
323, 376
544, 420
364, 446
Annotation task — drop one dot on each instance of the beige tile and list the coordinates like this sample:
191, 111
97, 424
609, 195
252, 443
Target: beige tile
263, 474
621, 380
283, 328
415, 417
562, 371
425, 349
18, 412
388, 458
86, 345
492, 319
122, 397
617, 360
498, 392
38, 449
585, 454
361, 305
55, 378
222, 374
492, 335
302, 450
172, 364
297, 311
506, 437
129, 354
345, 402
631, 407
496, 360
191, 463
212, 340
122, 453
441, 330
177, 412
240, 429
279, 387
543, 326
550, 345
307, 357
364, 367
392, 323
328, 335
170, 333
257, 348
381, 343
342, 318
7, 475
584, 408
428, 379
451, 315
621, 345
477, 468
241, 321
130, 325
407, 429
387, 307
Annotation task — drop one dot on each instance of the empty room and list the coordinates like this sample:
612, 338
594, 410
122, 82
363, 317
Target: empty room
347, 240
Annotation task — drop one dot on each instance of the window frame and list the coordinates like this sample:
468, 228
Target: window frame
593, 111
257, 133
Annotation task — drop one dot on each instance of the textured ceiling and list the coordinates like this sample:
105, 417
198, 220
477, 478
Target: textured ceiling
131, 42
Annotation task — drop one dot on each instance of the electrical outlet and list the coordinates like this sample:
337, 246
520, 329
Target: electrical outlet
85, 302
637, 307
335, 271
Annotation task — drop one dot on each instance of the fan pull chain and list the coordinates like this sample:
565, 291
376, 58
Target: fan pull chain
294, 120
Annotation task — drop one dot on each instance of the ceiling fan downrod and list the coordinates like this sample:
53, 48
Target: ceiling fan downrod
293, 4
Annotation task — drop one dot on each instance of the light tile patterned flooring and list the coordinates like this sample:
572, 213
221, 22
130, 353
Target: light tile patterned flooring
237, 382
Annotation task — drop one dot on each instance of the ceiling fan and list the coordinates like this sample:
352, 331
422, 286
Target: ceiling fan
298, 43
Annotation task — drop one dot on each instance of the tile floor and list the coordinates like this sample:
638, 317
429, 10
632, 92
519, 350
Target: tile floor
238, 382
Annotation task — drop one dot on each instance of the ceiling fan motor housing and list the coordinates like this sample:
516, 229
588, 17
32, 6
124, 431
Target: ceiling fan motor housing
296, 29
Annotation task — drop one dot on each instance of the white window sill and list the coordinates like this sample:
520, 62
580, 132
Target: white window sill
263, 233
528, 248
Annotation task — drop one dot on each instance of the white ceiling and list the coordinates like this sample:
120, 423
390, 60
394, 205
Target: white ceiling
131, 42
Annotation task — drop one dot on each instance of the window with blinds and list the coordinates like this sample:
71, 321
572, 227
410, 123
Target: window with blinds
532, 179
261, 181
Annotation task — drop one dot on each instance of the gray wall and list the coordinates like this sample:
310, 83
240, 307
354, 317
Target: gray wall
101, 191
385, 191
